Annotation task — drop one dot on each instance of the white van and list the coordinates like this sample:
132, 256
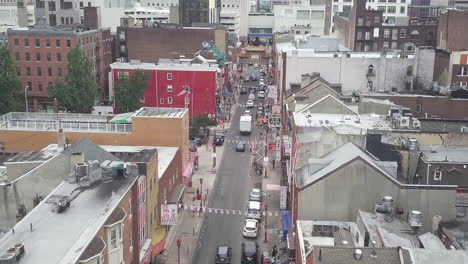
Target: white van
253, 210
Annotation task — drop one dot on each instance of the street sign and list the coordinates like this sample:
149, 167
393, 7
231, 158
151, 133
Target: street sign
283, 197
169, 214
274, 120
271, 147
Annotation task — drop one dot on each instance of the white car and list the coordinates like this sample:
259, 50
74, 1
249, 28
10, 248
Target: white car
261, 94
250, 228
253, 210
250, 103
247, 113
252, 97
261, 83
256, 195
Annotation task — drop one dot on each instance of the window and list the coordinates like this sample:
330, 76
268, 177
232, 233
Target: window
367, 35
38, 57
169, 76
402, 9
370, 69
39, 87
59, 72
418, 108
59, 57
29, 85
161, 100
68, 43
437, 175
409, 70
360, 21
17, 56
121, 75
347, 8
18, 71
113, 238
49, 72
403, 33
394, 34
463, 71
47, 43
39, 71
16, 42
169, 88
386, 33
382, 1
394, 45
57, 43
38, 43
382, 8
26, 42
186, 88
335, 8
187, 100
81, 4
169, 100
359, 35
28, 71
391, 9
48, 57
377, 20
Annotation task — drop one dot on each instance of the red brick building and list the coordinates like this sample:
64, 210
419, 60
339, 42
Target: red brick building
176, 84
40, 54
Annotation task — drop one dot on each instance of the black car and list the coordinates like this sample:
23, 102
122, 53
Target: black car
219, 138
249, 252
240, 147
243, 90
223, 255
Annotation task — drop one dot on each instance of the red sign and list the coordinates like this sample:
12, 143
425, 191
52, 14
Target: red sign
272, 147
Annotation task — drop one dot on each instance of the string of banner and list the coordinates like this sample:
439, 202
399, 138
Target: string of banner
194, 208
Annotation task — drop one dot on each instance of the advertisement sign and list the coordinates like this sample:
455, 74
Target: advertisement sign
169, 214
271, 147
274, 120
287, 146
283, 197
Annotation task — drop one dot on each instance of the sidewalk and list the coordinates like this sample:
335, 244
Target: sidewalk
188, 227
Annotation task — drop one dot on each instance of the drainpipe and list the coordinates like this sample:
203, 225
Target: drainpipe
427, 174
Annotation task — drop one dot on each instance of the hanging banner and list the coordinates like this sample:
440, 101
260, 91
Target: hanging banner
283, 197
169, 214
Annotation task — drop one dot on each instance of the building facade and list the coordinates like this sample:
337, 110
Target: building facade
234, 15
41, 53
452, 34
311, 17
205, 11
176, 85
16, 13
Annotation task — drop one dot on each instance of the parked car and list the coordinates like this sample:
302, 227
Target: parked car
219, 138
252, 90
252, 97
259, 114
253, 210
223, 255
261, 94
250, 103
240, 147
247, 78
197, 140
256, 195
247, 112
250, 228
254, 77
243, 90
261, 83
259, 107
249, 252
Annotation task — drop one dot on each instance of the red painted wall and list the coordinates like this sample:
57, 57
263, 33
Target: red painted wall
202, 88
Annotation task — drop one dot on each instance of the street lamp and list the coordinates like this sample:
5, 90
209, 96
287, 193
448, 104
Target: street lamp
179, 242
26, 98
201, 193
266, 219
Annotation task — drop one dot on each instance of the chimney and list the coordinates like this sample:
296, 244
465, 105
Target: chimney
61, 138
305, 79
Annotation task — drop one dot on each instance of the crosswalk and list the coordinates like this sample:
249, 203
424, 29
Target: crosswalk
245, 105
234, 141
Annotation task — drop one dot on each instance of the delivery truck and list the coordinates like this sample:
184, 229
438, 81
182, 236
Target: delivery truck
245, 125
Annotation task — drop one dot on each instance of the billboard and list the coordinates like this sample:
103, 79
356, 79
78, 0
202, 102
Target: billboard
169, 214
274, 120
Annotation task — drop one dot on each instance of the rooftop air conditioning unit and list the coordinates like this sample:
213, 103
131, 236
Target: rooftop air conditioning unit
404, 122
409, 47
416, 123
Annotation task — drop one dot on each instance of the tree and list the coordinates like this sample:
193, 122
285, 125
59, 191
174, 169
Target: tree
202, 121
10, 86
79, 91
129, 91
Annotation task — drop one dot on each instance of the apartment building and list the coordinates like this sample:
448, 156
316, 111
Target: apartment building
40, 54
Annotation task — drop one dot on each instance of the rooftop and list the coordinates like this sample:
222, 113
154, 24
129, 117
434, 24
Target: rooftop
62, 30
33, 156
161, 112
444, 126
346, 255
456, 230
316, 169
165, 154
165, 66
444, 154
434, 256
88, 212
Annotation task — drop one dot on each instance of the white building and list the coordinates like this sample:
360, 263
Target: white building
358, 71
392, 9
234, 15
303, 19
162, 4
142, 13
14, 14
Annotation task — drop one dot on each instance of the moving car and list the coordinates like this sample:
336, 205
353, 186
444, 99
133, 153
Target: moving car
248, 113
243, 90
247, 78
249, 252
259, 107
259, 114
261, 94
253, 210
250, 103
256, 195
252, 97
250, 228
240, 147
223, 255
261, 83
254, 77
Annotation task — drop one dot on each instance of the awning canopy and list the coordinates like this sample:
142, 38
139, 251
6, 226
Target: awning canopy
122, 118
176, 194
287, 221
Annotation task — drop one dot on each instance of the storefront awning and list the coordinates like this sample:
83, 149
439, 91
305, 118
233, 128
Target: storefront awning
176, 194
287, 221
159, 241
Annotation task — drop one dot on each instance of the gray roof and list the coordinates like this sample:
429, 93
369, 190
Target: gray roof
319, 168
434, 125
430, 241
62, 30
90, 150
70, 232
434, 256
444, 154
31, 156
161, 112
345, 255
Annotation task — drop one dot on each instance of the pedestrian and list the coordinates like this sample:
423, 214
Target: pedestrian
273, 163
274, 252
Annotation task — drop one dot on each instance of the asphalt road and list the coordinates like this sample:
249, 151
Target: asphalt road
231, 191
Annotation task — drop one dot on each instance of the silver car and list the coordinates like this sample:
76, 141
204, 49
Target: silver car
256, 195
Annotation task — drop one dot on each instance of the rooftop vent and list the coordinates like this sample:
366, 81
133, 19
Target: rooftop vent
415, 220
358, 254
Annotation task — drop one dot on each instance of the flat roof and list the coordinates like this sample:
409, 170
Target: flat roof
62, 238
444, 154
161, 112
203, 67
34, 156
345, 255
165, 154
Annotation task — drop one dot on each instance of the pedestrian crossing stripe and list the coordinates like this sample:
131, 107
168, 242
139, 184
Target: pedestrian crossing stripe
239, 141
221, 211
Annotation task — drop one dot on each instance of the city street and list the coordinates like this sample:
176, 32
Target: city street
231, 191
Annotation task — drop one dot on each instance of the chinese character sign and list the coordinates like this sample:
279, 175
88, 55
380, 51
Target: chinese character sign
283, 197
169, 214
